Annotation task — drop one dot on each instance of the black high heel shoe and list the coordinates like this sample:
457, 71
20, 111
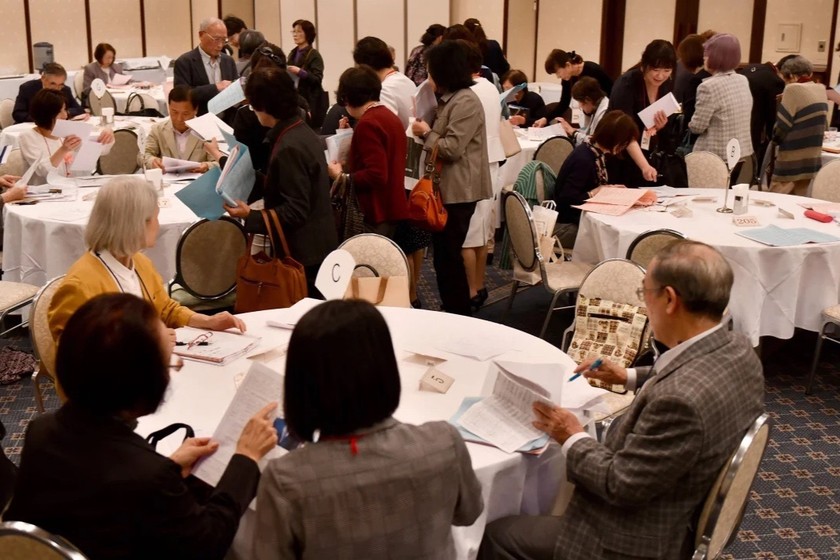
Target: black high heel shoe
479, 299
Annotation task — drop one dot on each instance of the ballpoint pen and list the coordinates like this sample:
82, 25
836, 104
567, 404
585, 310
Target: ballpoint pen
592, 367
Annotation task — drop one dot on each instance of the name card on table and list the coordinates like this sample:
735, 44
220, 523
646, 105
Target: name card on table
745, 221
435, 380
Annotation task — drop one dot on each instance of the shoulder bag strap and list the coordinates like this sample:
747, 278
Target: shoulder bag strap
280, 234
268, 233
283, 133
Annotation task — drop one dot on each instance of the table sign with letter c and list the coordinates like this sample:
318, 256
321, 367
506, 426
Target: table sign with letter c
435, 380
335, 273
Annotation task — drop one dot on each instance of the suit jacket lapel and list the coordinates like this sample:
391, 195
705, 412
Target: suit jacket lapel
703, 346
201, 72
168, 132
192, 144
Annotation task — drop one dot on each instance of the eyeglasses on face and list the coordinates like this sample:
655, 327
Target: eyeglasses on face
640, 291
218, 40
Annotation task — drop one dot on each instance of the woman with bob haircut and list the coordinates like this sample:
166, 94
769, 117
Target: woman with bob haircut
570, 67
459, 134
634, 90
585, 171
724, 101
532, 102
87, 476
593, 103
376, 163
123, 222
297, 184
104, 68
363, 485
38, 143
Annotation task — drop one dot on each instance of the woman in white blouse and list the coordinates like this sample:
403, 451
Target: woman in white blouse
39, 144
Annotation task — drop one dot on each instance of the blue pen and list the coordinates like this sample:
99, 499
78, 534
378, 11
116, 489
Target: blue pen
595, 365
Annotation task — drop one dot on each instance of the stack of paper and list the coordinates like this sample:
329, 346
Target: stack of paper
615, 201
227, 98
120, 79
668, 104
216, 347
288, 318
546, 132
209, 126
780, 237
424, 103
338, 145
174, 165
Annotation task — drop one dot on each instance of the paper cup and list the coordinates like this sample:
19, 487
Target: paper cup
155, 177
108, 115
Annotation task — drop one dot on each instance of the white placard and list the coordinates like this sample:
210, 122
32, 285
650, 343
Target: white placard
97, 87
436, 381
733, 153
335, 274
668, 104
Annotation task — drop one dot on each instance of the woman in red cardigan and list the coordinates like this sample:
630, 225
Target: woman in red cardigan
376, 162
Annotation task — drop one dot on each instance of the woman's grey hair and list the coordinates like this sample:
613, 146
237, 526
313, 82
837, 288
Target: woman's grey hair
249, 41
118, 221
698, 273
796, 67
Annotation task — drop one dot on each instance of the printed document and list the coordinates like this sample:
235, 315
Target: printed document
86, 157
209, 126
668, 104
217, 347
120, 79
425, 103
260, 387
175, 165
64, 128
338, 145
227, 98
781, 237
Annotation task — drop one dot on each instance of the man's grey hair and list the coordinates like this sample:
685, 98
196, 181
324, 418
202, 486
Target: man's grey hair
207, 22
118, 220
796, 67
698, 273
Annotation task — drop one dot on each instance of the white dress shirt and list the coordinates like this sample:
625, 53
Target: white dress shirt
211, 66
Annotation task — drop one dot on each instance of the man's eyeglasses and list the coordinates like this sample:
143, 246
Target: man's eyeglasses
640, 292
219, 40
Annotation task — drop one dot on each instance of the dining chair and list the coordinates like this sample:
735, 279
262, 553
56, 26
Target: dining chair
725, 503
78, 85
706, 170
6, 108
97, 103
647, 244
206, 261
558, 278
376, 255
554, 152
830, 318
140, 102
124, 154
826, 184
43, 344
14, 164
24, 541
14, 296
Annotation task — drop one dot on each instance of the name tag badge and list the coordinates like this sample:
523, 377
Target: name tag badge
576, 116
436, 381
645, 140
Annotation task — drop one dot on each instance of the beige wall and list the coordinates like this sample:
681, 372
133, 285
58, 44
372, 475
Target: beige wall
168, 28
816, 26
337, 50
489, 12
522, 28
420, 14
68, 39
569, 25
655, 17
243, 9
384, 19
267, 19
293, 10
726, 16
117, 22
13, 60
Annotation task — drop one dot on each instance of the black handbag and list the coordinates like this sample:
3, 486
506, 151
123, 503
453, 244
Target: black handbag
671, 169
155, 437
349, 218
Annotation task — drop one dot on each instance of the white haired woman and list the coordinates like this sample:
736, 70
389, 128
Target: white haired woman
124, 221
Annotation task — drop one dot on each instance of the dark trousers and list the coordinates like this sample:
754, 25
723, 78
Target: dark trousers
448, 261
520, 537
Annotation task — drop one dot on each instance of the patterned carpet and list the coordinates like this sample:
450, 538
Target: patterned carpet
794, 512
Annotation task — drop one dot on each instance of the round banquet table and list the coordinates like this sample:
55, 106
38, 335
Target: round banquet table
514, 483
514, 164
140, 125
42, 241
776, 289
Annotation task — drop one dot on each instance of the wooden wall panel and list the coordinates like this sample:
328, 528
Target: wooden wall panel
730, 17
267, 19
335, 26
522, 29
420, 15
201, 9
69, 39
168, 28
117, 22
568, 25
293, 10
14, 56
491, 14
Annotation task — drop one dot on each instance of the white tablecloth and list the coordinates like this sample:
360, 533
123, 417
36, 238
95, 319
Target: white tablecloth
510, 170
141, 125
511, 483
10, 85
42, 241
776, 288
121, 96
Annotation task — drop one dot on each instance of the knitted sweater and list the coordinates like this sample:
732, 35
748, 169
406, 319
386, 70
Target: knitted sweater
800, 124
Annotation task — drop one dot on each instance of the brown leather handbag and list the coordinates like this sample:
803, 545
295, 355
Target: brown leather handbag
425, 203
269, 282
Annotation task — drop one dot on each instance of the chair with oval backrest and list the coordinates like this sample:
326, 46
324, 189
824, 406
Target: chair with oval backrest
610, 312
24, 541
142, 104
14, 296
123, 156
725, 504
376, 255
42, 340
557, 278
15, 165
554, 152
706, 170
205, 264
6, 108
826, 184
97, 103
78, 85
647, 244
